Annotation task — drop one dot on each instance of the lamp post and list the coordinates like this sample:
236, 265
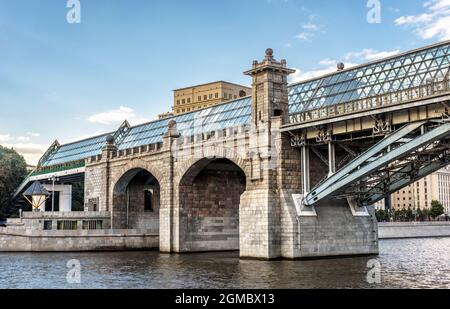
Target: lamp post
53, 179
36, 195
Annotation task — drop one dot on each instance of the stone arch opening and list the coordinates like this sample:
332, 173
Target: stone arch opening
209, 199
136, 201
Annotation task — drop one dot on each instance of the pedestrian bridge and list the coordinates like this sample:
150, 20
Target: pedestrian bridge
291, 171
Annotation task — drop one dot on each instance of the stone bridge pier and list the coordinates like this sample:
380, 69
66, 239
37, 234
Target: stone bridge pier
231, 189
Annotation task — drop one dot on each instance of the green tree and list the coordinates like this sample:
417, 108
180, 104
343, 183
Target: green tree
13, 171
410, 214
381, 215
436, 209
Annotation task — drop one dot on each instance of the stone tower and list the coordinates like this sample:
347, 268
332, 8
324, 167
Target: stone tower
260, 211
269, 89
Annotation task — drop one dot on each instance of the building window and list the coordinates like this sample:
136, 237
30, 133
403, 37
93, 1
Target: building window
48, 225
189, 100
92, 224
178, 102
210, 96
183, 110
199, 98
217, 95
67, 225
205, 97
148, 200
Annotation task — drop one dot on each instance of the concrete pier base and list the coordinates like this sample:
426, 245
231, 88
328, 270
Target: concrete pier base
338, 231
16, 240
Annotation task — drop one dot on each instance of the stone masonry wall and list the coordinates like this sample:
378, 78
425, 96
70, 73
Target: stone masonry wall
210, 209
336, 232
72, 241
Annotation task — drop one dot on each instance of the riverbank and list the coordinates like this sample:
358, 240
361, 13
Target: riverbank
16, 240
399, 230
20, 240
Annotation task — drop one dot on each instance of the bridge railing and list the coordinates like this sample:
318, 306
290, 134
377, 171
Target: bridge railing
394, 98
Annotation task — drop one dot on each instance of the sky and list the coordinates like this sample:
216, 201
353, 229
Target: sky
68, 81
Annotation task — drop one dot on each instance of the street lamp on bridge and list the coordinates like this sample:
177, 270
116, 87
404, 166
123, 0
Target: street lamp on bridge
36, 195
53, 179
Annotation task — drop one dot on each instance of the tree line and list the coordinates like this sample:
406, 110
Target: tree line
411, 214
13, 170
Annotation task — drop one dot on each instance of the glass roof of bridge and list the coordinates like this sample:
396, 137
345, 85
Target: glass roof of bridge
76, 151
390, 75
231, 114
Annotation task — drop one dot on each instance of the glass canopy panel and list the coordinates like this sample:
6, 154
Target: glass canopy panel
214, 118
76, 151
385, 76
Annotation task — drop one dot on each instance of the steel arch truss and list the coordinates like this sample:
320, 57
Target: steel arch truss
402, 158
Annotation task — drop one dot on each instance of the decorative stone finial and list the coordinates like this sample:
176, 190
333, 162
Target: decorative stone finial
340, 66
172, 124
269, 63
109, 148
110, 139
269, 54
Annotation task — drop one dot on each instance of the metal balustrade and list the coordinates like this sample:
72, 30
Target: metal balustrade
395, 98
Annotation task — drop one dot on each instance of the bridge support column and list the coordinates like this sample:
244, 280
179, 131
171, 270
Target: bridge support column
331, 158
337, 230
305, 169
168, 213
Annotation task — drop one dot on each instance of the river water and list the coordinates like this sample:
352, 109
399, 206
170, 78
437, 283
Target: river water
407, 263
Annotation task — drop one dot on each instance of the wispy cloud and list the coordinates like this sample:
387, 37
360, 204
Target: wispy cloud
117, 116
310, 29
368, 54
30, 151
24, 145
301, 75
5, 138
305, 36
311, 26
350, 59
433, 23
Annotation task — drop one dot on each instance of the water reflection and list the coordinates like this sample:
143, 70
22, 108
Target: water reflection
415, 263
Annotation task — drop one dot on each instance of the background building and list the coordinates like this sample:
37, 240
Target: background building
205, 95
165, 115
420, 194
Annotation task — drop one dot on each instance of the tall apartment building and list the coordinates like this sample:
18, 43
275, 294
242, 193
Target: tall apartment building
420, 194
201, 96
